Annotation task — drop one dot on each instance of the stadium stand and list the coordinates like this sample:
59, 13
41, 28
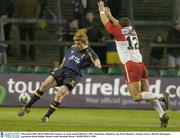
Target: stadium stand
41, 70
153, 73
8, 69
178, 73
159, 12
114, 71
94, 71
25, 69
168, 73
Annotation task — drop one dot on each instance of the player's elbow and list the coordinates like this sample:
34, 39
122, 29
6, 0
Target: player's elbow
109, 29
105, 22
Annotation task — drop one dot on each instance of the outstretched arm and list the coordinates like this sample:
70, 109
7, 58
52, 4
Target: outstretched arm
111, 28
111, 18
95, 59
102, 10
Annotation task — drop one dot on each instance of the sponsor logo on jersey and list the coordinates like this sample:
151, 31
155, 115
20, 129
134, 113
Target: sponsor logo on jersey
75, 59
125, 31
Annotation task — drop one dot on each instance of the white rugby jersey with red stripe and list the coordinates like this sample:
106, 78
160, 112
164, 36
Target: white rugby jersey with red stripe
127, 43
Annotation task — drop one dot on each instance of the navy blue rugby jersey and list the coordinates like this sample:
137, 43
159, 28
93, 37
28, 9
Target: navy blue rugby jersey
79, 61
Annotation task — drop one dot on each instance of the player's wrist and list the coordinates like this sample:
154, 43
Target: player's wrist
102, 12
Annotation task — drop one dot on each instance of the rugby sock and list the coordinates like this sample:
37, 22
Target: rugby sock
52, 108
37, 95
151, 96
157, 107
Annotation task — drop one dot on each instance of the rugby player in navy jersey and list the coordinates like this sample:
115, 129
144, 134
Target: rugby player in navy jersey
74, 65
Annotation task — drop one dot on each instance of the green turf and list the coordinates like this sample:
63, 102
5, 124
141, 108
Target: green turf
86, 120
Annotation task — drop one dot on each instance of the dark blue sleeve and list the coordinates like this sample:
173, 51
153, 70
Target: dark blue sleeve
92, 55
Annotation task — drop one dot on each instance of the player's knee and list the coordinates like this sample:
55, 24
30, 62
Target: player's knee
44, 86
62, 91
47, 83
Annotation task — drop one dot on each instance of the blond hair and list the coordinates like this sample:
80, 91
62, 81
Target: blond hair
81, 36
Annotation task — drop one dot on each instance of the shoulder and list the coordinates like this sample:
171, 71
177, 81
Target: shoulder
112, 25
92, 53
113, 29
71, 48
90, 50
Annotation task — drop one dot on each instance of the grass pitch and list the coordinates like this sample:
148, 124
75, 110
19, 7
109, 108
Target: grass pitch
86, 120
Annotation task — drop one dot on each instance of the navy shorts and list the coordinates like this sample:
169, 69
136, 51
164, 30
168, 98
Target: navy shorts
67, 77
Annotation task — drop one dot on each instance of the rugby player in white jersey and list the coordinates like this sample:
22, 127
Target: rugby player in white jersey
136, 75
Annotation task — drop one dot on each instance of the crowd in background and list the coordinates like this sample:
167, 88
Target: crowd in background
82, 19
24, 10
173, 37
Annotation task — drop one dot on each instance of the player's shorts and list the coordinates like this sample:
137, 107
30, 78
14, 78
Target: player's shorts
67, 77
135, 71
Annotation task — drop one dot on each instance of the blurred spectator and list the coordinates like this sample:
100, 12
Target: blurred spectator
115, 6
43, 4
76, 6
27, 9
46, 13
80, 6
177, 10
94, 32
174, 34
66, 34
87, 4
6, 11
157, 52
174, 53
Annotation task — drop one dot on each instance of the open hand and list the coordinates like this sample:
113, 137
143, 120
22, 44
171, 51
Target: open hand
101, 6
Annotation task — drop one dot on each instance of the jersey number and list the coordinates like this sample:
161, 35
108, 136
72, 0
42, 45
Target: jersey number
133, 42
